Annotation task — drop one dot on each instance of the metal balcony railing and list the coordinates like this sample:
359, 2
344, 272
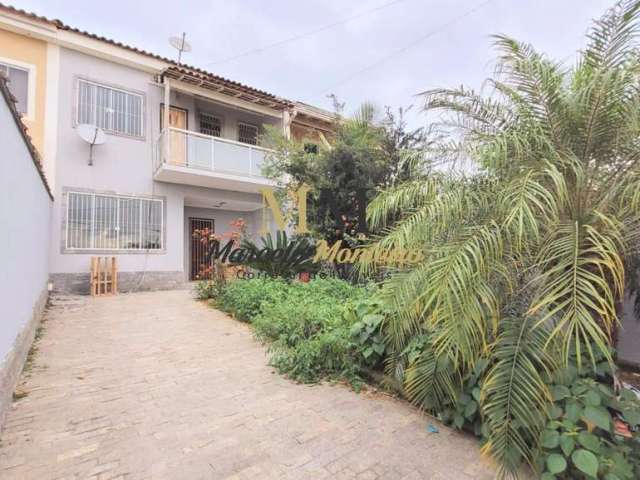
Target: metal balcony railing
194, 150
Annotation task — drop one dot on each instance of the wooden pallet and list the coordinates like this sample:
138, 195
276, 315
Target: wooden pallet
104, 276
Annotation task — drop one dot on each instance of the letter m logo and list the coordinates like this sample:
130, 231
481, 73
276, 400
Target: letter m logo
270, 202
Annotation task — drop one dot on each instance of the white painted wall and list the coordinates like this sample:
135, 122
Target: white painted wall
25, 209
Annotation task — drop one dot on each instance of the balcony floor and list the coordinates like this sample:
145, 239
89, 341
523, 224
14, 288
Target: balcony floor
207, 178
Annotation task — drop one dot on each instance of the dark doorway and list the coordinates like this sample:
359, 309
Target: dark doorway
198, 250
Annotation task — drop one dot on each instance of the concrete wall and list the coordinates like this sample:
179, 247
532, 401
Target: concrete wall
25, 209
123, 165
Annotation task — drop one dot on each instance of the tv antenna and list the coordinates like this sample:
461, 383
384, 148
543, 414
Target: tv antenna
180, 43
93, 135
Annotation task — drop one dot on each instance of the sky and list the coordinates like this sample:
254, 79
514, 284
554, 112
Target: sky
382, 51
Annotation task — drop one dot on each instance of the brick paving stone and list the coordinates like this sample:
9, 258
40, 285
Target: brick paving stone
155, 385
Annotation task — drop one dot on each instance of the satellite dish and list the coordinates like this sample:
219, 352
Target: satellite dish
93, 135
180, 44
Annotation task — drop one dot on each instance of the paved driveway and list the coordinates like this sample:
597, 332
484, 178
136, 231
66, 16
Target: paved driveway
156, 385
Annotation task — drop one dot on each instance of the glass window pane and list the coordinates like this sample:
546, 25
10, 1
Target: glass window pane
86, 103
105, 231
107, 222
80, 220
129, 223
19, 87
247, 133
110, 109
103, 108
151, 224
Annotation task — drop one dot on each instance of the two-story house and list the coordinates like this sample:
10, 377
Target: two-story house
181, 150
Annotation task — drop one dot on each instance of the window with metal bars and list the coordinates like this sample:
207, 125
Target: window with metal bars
113, 222
247, 133
210, 125
18, 85
111, 109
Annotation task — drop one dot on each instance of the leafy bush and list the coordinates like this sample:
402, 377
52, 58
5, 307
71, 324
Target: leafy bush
304, 323
581, 440
366, 319
207, 289
243, 298
465, 413
309, 332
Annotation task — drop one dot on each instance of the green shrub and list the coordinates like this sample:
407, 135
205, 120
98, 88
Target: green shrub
580, 441
208, 289
308, 331
243, 298
304, 324
367, 319
465, 413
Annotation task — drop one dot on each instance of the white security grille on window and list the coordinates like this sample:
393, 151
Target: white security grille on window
210, 125
247, 133
18, 85
110, 109
113, 222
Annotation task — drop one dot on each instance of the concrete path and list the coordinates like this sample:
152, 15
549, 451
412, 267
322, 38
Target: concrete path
156, 385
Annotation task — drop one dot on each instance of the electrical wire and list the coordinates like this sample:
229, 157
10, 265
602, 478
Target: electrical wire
303, 35
402, 49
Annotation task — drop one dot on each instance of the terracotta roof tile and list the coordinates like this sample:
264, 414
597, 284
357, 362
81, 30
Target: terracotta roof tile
281, 102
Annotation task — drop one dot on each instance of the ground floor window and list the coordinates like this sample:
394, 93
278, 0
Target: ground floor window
113, 222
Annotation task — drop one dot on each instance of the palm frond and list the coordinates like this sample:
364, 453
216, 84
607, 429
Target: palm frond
514, 395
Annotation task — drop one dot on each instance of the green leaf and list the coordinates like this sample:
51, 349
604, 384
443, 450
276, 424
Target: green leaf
573, 411
470, 409
632, 417
355, 329
458, 421
548, 476
627, 394
373, 318
550, 439
589, 441
379, 348
560, 392
586, 462
555, 412
579, 388
592, 398
475, 393
367, 352
556, 463
599, 416
567, 444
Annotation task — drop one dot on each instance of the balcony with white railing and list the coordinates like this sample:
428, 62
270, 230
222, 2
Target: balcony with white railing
192, 158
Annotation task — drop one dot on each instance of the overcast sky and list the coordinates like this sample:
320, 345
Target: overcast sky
455, 47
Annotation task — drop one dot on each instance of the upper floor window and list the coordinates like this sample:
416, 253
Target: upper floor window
113, 222
247, 133
111, 109
210, 125
18, 85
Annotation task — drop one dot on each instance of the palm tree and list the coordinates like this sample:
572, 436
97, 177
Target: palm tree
524, 258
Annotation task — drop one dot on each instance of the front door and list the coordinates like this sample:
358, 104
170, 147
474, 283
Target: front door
198, 249
177, 140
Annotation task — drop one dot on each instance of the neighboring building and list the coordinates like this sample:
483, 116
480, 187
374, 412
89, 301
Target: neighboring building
181, 150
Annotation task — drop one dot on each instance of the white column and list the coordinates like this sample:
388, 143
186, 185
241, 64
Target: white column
165, 123
50, 117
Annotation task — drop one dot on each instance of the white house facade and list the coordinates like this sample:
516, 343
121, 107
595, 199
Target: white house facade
181, 153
